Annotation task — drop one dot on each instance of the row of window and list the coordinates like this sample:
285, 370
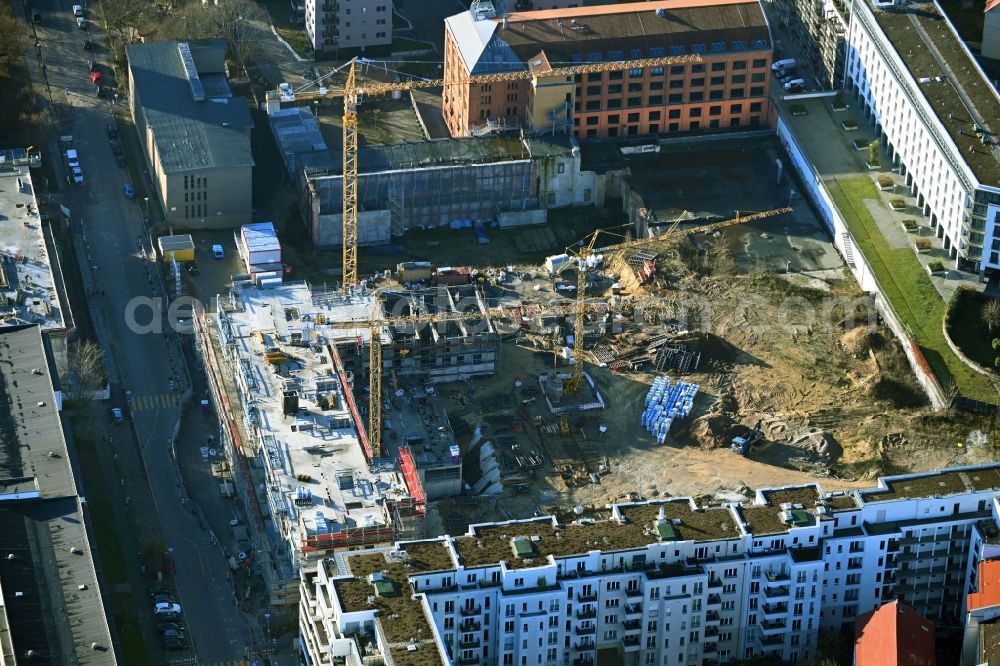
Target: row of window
195, 182
197, 210
195, 196
674, 84
654, 128
676, 70
676, 49
695, 112
613, 103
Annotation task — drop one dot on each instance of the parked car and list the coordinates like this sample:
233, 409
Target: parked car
128, 191
77, 10
174, 644
81, 23
117, 415
111, 130
116, 147
120, 160
88, 45
174, 634
794, 84
77, 175
786, 74
72, 158
167, 608
218, 252
163, 598
167, 626
787, 63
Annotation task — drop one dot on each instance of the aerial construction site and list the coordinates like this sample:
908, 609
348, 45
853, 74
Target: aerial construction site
510, 388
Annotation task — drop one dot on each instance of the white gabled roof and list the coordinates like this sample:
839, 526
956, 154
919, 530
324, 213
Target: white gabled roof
471, 36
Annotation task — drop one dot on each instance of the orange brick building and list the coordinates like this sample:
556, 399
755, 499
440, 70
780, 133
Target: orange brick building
727, 89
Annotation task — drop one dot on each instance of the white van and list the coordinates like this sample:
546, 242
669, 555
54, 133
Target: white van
780, 65
794, 84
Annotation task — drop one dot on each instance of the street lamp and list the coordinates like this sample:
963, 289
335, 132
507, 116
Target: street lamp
267, 619
145, 210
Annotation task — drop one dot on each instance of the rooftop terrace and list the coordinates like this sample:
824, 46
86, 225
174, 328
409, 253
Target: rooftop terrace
930, 48
944, 483
26, 278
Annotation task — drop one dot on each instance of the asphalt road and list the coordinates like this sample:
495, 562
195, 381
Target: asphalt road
144, 362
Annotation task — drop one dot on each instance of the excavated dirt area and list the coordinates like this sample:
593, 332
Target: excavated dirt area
835, 404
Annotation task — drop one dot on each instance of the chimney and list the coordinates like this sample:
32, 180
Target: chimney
505, 22
662, 515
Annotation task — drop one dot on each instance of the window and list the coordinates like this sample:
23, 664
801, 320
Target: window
696, 97
715, 110
739, 78
740, 45
675, 98
697, 69
718, 81
698, 83
757, 91
613, 119
593, 105
632, 118
593, 90
738, 108
615, 103
634, 101
674, 113
655, 100
758, 63
718, 66
656, 71
697, 48
695, 113
736, 93
616, 55
656, 85
673, 127
694, 125
592, 120
635, 73
734, 122
676, 70
739, 64
715, 95
594, 76
677, 50
676, 83
757, 77
616, 76
713, 123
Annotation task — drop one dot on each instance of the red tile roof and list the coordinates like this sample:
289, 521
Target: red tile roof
992, 4
895, 634
989, 583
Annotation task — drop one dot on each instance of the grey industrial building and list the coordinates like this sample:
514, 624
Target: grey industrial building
194, 132
53, 611
426, 184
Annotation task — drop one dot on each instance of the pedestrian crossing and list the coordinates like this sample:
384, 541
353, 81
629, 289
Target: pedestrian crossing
142, 403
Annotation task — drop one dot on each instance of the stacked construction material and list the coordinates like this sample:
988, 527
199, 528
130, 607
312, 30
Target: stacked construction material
665, 403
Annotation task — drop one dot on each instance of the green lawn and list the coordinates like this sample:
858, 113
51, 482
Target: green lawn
908, 288
129, 631
112, 560
404, 44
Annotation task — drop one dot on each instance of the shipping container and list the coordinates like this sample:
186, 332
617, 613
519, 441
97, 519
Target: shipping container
260, 244
452, 276
414, 271
179, 248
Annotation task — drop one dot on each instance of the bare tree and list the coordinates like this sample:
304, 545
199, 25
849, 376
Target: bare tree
991, 314
10, 32
85, 369
240, 22
124, 17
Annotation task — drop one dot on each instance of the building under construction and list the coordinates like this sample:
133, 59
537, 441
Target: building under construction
285, 364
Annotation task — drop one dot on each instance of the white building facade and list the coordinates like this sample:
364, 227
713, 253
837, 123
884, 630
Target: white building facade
931, 111
663, 582
348, 27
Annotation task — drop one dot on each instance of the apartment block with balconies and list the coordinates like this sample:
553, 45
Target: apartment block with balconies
665, 581
343, 28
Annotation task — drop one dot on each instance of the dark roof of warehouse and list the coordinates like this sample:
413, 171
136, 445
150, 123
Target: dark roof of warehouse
190, 133
32, 449
615, 31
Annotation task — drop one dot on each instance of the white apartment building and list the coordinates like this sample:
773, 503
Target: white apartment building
659, 582
937, 116
343, 28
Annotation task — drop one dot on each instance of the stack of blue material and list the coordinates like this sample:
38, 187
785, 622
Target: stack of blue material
665, 403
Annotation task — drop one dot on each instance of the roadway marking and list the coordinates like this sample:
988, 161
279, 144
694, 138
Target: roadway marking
160, 401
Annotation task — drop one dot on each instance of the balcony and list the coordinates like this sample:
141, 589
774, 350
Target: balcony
776, 592
770, 627
779, 577
775, 609
469, 645
468, 661
632, 625
586, 631
714, 583
711, 632
586, 613
712, 617
776, 639
467, 611
709, 648
630, 643
584, 645
714, 600
633, 592
580, 661
633, 609
585, 598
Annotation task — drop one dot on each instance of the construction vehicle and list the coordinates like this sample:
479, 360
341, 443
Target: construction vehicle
582, 251
539, 71
742, 445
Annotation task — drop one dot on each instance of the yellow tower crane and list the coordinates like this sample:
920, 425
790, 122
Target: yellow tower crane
582, 251
352, 90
